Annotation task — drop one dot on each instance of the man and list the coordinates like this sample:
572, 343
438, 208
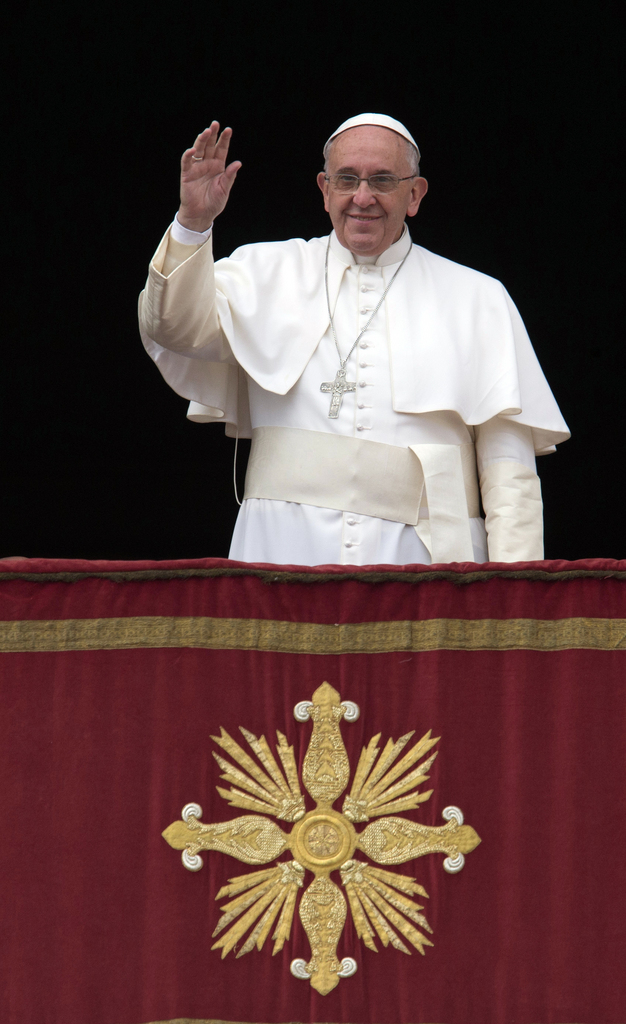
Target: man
382, 385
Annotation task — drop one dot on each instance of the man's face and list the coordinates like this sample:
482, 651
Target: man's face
368, 224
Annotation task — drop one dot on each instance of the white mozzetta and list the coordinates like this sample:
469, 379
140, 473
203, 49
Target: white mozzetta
250, 344
456, 339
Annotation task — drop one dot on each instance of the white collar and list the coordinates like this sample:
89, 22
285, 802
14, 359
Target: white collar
394, 254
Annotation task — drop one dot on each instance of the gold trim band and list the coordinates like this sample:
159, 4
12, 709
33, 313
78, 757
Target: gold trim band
312, 638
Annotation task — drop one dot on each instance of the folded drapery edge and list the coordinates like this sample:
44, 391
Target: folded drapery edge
459, 576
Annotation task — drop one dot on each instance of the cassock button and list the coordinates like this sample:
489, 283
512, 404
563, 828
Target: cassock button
362, 383
365, 270
359, 426
348, 543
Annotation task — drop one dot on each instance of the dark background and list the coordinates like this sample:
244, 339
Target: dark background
516, 111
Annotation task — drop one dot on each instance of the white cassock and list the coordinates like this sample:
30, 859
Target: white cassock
445, 370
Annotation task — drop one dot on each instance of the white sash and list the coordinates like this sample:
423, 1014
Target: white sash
432, 487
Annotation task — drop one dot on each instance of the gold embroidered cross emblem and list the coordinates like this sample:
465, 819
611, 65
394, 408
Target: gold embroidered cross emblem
322, 841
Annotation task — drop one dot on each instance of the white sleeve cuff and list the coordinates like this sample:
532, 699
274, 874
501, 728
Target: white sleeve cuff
187, 237
511, 495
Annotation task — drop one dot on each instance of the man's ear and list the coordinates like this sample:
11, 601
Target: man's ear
418, 191
323, 186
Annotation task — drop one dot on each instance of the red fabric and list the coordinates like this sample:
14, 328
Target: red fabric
100, 750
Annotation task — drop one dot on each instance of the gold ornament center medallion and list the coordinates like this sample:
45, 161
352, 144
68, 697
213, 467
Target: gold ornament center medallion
323, 840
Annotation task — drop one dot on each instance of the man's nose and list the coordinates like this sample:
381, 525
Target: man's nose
363, 196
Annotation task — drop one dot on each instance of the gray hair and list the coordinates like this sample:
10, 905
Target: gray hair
411, 153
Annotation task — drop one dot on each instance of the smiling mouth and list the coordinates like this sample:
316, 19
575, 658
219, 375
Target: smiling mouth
360, 217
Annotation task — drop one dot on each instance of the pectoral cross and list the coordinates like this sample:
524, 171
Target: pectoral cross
337, 388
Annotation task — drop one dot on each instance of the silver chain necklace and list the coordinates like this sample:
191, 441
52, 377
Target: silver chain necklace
338, 387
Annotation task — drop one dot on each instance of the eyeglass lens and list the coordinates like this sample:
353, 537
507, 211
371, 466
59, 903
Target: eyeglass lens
378, 183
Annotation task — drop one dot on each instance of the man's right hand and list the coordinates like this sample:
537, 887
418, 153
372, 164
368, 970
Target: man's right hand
205, 180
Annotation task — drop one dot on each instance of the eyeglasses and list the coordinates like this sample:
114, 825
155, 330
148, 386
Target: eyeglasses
378, 184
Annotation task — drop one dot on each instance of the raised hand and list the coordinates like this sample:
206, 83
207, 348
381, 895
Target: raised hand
205, 180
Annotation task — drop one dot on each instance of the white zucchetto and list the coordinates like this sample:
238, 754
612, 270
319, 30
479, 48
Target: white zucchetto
381, 121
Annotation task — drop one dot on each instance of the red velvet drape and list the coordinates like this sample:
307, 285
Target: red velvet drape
101, 748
